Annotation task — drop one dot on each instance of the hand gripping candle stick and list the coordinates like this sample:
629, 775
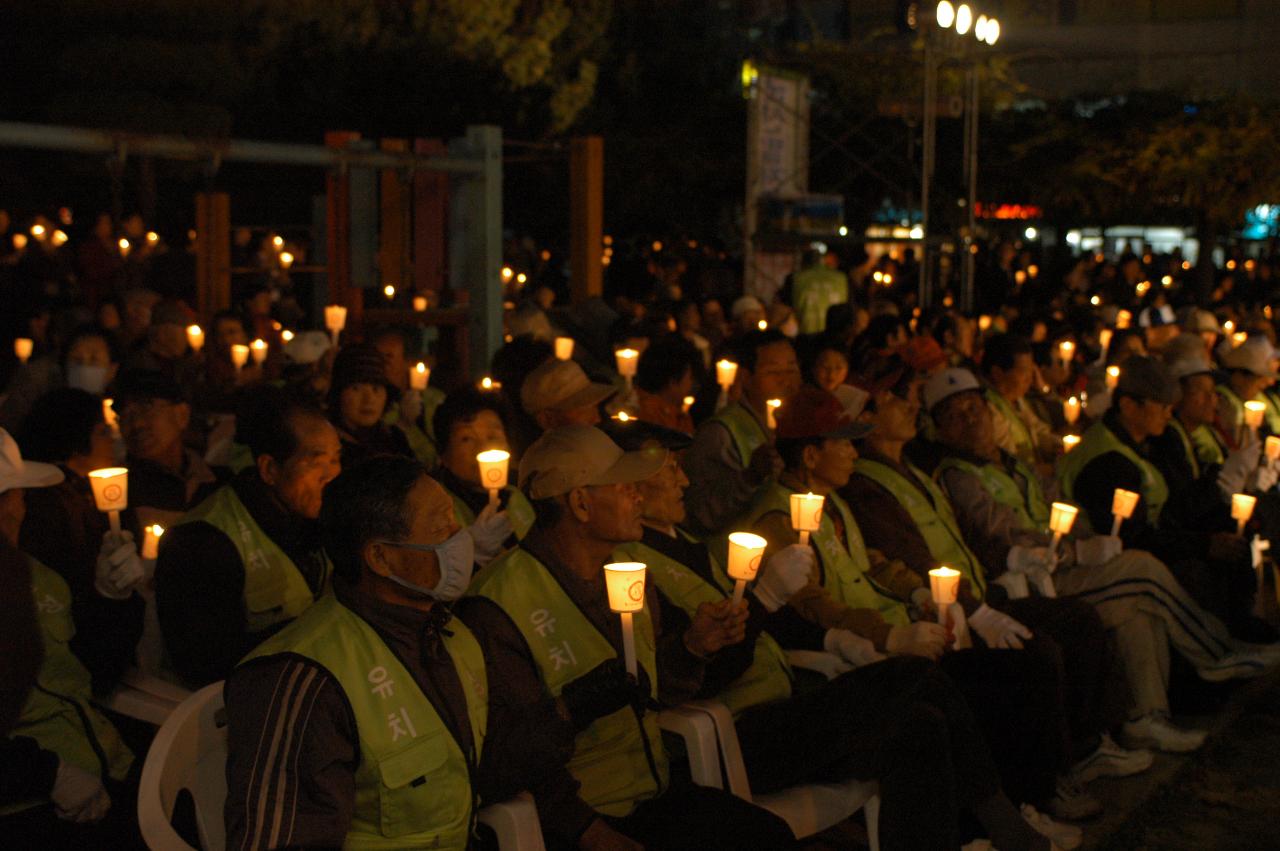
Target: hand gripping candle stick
335, 319
493, 471
564, 348
111, 492
195, 338
1123, 503
745, 552
624, 582
151, 541
419, 375
1061, 518
944, 584
806, 514
1242, 509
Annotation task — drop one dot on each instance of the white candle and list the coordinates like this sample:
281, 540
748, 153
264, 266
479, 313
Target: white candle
420, 303
335, 319
110, 492
258, 348
151, 540
493, 471
564, 348
1113, 377
771, 407
239, 355
419, 375
195, 338
1123, 503
745, 552
1242, 509
944, 585
23, 347
806, 514
1071, 410
1272, 448
624, 582
1070, 441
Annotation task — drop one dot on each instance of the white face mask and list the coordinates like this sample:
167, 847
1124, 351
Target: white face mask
456, 557
87, 377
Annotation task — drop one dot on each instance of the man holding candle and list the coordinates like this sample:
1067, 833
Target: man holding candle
413, 412
409, 724
664, 378
1002, 509
1250, 369
551, 588
248, 559
902, 705
469, 422
1010, 370
732, 458
1211, 561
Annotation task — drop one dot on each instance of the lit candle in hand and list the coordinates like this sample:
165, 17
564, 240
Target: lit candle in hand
624, 582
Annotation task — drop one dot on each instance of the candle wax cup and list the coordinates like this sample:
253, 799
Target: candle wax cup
745, 552
806, 511
110, 488
624, 582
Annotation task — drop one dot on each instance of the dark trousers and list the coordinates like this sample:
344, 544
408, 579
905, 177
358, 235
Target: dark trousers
696, 818
41, 828
1094, 690
1227, 590
901, 722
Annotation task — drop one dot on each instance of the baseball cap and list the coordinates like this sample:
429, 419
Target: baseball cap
17, 473
1200, 321
635, 434
582, 456
307, 347
946, 384
922, 353
561, 385
745, 304
815, 413
134, 384
1188, 365
1253, 355
1146, 378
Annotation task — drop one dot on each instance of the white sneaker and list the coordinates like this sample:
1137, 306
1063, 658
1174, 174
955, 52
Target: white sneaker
1064, 836
1236, 666
1111, 760
1156, 732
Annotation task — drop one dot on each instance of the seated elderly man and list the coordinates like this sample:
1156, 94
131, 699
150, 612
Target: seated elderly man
552, 589
1212, 562
407, 724
63, 766
558, 393
1003, 513
471, 421
248, 559
914, 734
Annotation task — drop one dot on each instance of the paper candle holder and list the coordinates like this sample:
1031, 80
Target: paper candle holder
1242, 507
627, 359
23, 347
151, 540
624, 582
1272, 448
1071, 410
944, 586
258, 348
195, 337
687, 403
806, 512
493, 468
1104, 339
1066, 350
1062, 517
1113, 377
745, 553
419, 375
726, 373
110, 488
1070, 441
1123, 503
1253, 413
239, 355
420, 303
564, 348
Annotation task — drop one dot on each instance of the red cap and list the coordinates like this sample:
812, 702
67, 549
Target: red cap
923, 354
815, 413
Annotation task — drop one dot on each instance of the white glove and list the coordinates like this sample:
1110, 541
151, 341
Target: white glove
1014, 584
850, 647
922, 601
1236, 469
1098, 550
922, 638
1042, 582
1264, 478
489, 532
77, 795
997, 629
1026, 559
786, 572
119, 567
410, 407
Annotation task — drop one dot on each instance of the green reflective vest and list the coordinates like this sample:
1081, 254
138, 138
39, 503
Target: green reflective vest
619, 759
1234, 403
747, 433
1030, 505
58, 713
769, 677
1098, 440
1272, 416
421, 441
934, 519
274, 590
846, 571
813, 291
413, 785
1023, 441
1201, 446
519, 511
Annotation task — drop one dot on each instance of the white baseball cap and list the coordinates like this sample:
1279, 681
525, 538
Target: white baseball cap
946, 384
1254, 355
16, 473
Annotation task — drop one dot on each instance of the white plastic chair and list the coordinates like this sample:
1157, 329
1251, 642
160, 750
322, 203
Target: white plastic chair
189, 752
145, 697
515, 823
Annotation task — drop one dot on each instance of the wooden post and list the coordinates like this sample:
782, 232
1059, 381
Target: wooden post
338, 219
586, 217
475, 240
213, 253
393, 225
430, 215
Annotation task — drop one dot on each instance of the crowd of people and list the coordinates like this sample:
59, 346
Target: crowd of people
403, 641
